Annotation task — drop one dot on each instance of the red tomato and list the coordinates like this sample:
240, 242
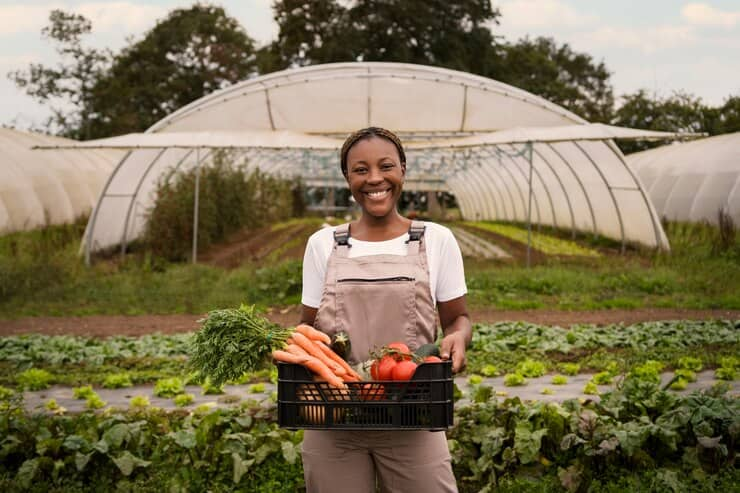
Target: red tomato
432, 359
398, 346
385, 368
404, 370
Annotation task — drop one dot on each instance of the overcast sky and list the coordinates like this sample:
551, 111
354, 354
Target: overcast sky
660, 45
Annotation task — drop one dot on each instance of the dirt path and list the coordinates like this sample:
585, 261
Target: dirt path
101, 326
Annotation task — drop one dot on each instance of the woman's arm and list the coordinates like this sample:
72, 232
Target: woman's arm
456, 329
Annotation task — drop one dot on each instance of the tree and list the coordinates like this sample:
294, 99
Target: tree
189, 54
66, 88
680, 112
433, 32
558, 74
728, 117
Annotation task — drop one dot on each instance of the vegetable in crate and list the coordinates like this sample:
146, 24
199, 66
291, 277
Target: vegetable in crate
232, 342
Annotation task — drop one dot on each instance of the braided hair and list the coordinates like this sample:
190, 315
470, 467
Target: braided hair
368, 133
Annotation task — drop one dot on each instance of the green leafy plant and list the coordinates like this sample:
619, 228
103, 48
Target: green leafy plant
169, 387
6, 393
94, 401
687, 375
83, 392
208, 388
183, 400
547, 391
257, 388
559, 380
51, 405
531, 369
139, 402
514, 379
591, 389
571, 369
35, 379
648, 371
725, 373
489, 370
690, 363
679, 384
475, 379
117, 381
602, 378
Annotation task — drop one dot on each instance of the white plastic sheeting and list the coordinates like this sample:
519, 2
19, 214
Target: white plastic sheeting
582, 185
693, 181
51, 187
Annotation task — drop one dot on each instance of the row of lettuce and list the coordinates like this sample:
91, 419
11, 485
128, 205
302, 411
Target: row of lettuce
639, 437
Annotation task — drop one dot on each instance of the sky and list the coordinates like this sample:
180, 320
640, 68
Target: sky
662, 46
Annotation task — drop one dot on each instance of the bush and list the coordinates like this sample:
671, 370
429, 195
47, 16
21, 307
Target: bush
229, 199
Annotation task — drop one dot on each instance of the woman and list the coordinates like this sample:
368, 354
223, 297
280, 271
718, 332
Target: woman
378, 279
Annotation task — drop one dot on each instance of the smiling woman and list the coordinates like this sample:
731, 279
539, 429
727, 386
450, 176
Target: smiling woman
379, 279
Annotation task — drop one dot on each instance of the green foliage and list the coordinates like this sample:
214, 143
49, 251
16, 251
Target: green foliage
547, 244
183, 400
139, 402
93, 401
725, 373
117, 381
169, 387
690, 363
679, 384
571, 369
232, 342
475, 379
489, 370
514, 379
602, 378
547, 391
35, 379
559, 380
208, 388
229, 200
591, 389
531, 369
648, 371
51, 405
83, 392
257, 388
687, 375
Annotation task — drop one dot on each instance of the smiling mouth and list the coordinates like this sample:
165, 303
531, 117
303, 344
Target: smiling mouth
378, 195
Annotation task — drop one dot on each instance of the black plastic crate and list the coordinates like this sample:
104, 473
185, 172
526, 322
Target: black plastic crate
423, 403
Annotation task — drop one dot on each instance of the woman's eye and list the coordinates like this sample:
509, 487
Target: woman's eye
387, 165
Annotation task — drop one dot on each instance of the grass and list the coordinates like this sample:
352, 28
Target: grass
41, 274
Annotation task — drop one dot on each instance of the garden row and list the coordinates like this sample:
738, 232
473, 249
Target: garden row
639, 437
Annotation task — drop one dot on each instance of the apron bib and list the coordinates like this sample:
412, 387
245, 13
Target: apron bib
378, 299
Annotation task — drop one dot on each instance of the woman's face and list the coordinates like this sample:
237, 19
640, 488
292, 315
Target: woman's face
375, 175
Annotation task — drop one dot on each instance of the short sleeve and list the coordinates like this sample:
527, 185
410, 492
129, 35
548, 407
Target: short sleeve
451, 272
314, 273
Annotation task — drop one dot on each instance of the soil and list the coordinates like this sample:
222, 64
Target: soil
108, 325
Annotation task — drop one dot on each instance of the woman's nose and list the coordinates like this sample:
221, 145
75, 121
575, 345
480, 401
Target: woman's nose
374, 175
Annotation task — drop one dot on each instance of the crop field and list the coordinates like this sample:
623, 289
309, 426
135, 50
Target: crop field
648, 406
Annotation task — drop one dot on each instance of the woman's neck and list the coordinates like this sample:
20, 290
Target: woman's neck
369, 228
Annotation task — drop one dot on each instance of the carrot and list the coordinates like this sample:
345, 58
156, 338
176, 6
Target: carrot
296, 349
312, 349
313, 334
338, 359
313, 364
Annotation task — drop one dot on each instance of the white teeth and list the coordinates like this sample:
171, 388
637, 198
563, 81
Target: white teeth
376, 195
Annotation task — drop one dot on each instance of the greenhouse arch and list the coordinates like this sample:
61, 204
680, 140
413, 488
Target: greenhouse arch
583, 185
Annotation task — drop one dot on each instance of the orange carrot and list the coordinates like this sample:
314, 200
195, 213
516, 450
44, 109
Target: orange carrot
296, 349
313, 364
312, 349
313, 334
337, 359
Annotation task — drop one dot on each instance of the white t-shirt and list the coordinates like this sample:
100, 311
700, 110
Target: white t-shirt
446, 274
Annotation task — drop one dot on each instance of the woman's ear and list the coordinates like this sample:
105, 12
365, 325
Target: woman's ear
403, 170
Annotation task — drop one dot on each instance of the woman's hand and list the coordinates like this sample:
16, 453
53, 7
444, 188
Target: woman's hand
457, 330
453, 347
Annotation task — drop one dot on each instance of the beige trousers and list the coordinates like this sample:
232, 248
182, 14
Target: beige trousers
404, 462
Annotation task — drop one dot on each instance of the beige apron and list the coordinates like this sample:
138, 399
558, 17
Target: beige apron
377, 299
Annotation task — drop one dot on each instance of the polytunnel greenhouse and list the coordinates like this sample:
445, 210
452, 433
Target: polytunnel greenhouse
53, 187
693, 181
455, 126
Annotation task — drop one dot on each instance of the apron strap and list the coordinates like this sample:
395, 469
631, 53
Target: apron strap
341, 240
416, 232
